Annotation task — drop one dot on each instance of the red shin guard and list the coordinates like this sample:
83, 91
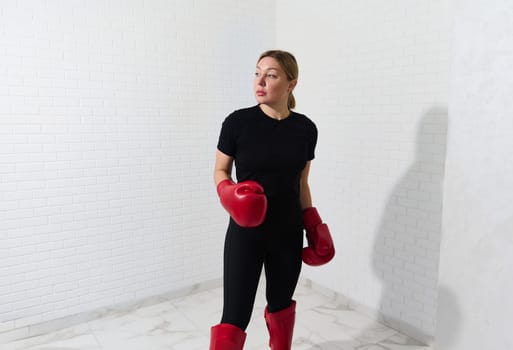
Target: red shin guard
281, 327
225, 336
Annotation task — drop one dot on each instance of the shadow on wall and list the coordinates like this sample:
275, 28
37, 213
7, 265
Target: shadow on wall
449, 327
407, 249
407, 244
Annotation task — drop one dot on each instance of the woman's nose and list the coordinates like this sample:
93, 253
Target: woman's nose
261, 81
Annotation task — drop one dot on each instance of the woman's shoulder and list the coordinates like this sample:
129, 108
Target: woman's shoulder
302, 118
242, 114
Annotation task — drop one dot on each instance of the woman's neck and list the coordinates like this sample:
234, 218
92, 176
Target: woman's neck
279, 112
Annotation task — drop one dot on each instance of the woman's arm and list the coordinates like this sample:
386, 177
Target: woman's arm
222, 167
320, 248
305, 197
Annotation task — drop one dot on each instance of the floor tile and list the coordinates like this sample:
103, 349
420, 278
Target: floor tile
184, 324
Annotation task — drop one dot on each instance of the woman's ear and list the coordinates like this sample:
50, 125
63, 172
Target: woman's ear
292, 85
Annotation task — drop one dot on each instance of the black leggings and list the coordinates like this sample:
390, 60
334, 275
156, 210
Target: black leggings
276, 245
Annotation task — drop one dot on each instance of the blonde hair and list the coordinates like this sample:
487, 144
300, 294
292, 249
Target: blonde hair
289, 65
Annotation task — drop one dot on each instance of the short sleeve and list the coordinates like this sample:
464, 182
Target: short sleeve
226, 143
312, 142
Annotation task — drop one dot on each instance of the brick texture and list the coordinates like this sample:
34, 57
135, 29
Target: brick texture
109, 117
374, 77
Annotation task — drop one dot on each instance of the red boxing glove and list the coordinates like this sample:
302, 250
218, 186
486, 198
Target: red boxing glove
320, 248
245, 202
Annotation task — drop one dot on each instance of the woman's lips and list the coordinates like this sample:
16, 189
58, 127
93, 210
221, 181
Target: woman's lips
260, 93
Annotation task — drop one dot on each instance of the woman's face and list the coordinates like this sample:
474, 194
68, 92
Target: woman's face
271, 85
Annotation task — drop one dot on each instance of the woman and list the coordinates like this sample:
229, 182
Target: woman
272, 147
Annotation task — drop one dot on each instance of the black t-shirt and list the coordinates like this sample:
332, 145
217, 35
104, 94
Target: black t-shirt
270, 151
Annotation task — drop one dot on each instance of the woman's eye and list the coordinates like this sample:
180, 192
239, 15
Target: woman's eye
269, 75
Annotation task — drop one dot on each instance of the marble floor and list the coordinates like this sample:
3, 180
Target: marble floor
184, 324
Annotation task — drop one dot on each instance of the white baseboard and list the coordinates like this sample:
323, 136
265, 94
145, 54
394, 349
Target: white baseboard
374, 314
72, 320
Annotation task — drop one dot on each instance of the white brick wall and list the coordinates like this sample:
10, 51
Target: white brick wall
374, 77
109, 116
